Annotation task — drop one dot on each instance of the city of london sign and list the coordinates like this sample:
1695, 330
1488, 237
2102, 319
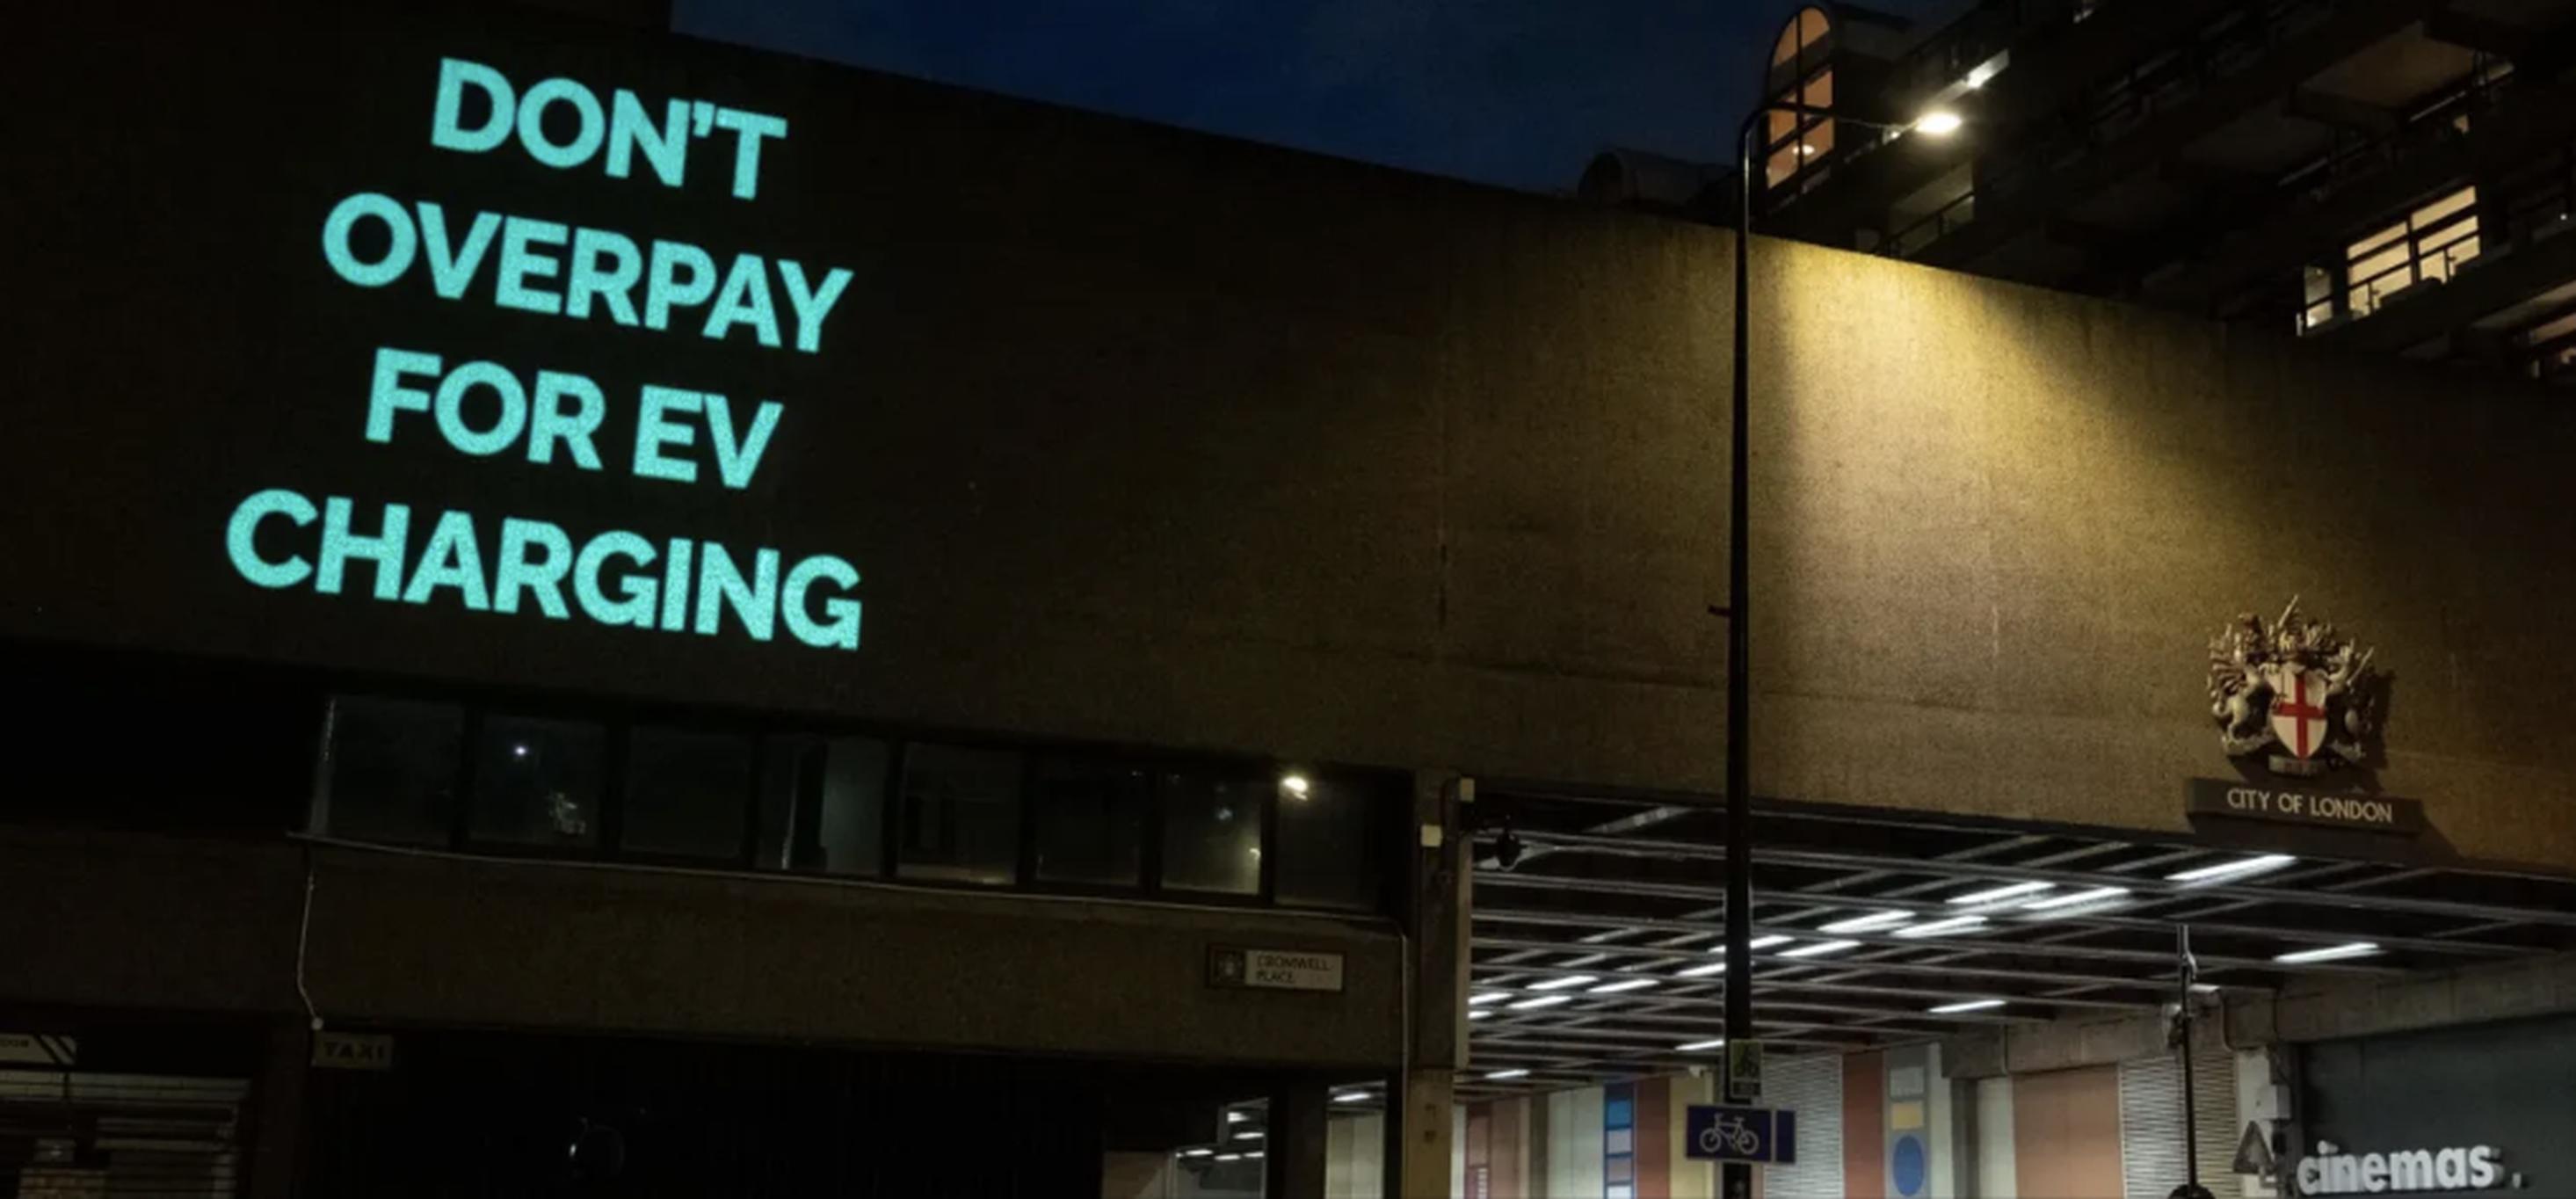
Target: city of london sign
2294, 691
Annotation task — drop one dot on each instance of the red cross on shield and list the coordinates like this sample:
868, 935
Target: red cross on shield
2298, 708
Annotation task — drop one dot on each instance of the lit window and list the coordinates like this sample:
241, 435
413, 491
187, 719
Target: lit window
2429, 244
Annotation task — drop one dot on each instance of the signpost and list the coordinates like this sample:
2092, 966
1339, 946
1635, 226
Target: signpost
2273, 803
1761, 1135
1274, 970
1744, 1071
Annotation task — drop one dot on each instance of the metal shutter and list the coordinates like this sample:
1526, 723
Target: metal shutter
2151, 1123
1811, 1086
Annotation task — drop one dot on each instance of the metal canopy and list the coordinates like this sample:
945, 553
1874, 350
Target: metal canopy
1598, 954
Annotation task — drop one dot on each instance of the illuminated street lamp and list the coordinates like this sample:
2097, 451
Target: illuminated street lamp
1738, 1179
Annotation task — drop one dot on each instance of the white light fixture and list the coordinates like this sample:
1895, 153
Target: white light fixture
1236, 1117
2331, 953
1351, 1097
1940, 122
1759, 944
1998, 894
1198, 1153
1294, 785
1229, 1157
1819, 949
1482, 998
1563, 982
1701, 971
1955, 924
1973, 1005
2075, 899
1702, 1046
1253, 1156
2240, 868
1862, 924
1625, 984
1480, 1013
1248, 1136
1506, 1075
1532, 1005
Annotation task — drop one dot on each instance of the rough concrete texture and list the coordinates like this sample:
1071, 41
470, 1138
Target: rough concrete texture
2329, 1011
1147, 437
210, 926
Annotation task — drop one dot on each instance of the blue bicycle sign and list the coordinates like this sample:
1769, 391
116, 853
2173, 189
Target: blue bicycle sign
1740, 1134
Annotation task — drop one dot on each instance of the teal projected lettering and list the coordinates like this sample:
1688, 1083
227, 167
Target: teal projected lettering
703, 589
278, 538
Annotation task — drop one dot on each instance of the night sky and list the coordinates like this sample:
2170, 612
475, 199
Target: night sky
1512, 92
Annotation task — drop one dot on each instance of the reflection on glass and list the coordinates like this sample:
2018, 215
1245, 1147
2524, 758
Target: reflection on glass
391, 774
685, 793
1212, 832
1089, 822
1330, 853
536, 782
961, 814
822, 805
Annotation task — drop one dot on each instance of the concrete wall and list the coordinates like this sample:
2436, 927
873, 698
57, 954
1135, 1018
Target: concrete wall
1145, 436
194, 925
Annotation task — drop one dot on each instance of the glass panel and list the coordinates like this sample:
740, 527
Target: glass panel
1330, 845
536, 782
1819, 91
961, 815
392, 771
1090, 822
1818, 142
1212, 833
2445, 206
822, 805
685, 793
1782, 165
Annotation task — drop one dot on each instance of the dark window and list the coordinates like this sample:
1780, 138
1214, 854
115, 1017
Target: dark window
961, 814
686, 793
1330, 845
390, 773
823, 805
1211, 832
536, 782
1089, 820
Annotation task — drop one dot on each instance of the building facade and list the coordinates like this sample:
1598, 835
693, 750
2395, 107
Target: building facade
595, 608
2388, 177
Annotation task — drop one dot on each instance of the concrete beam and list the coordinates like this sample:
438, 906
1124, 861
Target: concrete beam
2473, 995
2326, 108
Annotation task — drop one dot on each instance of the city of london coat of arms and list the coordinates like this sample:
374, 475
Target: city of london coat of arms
2294, 691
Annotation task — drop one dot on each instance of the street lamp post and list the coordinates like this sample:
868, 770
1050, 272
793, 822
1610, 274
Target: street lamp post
1738, 1176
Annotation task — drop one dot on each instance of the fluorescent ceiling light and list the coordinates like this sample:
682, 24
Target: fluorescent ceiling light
1701, 971
1480, 1000
1819, 949
2072, 898
1561, 983
1198, 1152
1625, 984
2240, 868
1702, 1046
1972, 1005
1955, 924
1604, 938
1480, 1013
2331, 953
1531, 1005
1229, 1157
1994, 894
1761, 943
1253, 1156
1247, 1136
1873, 920
1236, 1117
1506, 1075
1351, 1097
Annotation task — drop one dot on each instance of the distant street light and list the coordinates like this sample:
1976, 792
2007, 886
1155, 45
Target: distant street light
1738, 1177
